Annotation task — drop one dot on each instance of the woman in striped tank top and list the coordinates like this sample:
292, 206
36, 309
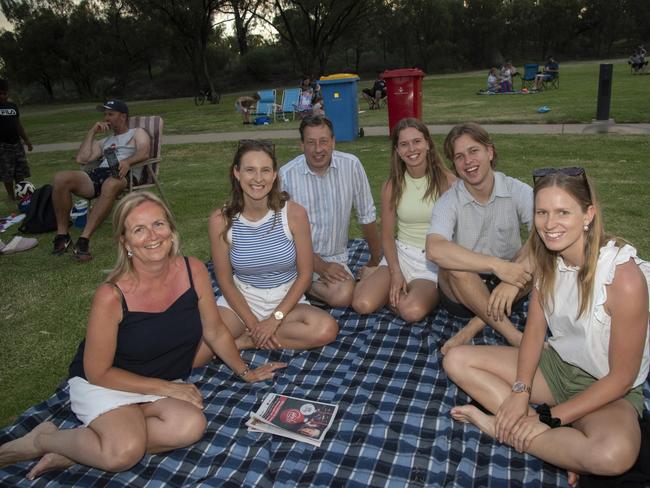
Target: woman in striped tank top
262, 252
404, 279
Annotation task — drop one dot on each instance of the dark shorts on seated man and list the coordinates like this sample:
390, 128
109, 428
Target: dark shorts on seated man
99, 175
459, 310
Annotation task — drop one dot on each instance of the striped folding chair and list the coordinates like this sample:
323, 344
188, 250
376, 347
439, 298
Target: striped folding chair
145, 173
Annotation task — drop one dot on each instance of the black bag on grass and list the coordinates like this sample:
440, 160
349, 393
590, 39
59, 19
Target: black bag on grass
40, 215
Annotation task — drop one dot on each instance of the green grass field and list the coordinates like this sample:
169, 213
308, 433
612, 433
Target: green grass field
46, 299
446, 99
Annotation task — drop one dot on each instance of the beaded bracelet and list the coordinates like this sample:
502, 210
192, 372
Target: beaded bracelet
244, 373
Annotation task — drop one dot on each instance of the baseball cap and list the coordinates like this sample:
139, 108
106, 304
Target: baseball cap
114, 104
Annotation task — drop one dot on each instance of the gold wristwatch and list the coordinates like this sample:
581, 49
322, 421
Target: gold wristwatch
278, 315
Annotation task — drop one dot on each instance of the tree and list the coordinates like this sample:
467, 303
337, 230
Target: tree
192, 20
312, 28
33, 52
244, 13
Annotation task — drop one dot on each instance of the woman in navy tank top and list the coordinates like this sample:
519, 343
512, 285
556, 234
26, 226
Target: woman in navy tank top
261, 248
148, 326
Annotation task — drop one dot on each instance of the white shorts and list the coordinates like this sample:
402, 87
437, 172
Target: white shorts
316, 276
413, 263
89, 401
262, 301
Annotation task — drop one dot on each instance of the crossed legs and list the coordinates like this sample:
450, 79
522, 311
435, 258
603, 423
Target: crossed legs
334, 293
114, 441
305, 327
605, 442
372, 293
468, 289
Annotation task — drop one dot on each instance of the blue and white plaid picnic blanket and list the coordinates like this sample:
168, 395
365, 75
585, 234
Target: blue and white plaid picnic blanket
393, 428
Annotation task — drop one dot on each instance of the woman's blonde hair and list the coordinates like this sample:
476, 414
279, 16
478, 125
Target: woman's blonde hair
581, 188
436, 171
123, 264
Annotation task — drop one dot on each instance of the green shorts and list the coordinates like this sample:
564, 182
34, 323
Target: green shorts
566, 381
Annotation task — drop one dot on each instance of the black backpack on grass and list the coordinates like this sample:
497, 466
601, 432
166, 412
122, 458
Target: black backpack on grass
40, 214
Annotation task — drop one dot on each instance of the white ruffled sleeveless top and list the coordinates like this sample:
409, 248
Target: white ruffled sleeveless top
584, 342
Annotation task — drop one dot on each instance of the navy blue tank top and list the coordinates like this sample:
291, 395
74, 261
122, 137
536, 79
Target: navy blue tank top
155, 344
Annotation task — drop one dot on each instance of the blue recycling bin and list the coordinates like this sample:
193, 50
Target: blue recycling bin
341, 105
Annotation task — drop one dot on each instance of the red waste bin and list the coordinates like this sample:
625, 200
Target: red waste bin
404, 88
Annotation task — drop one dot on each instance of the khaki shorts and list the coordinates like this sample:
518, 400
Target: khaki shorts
566, 381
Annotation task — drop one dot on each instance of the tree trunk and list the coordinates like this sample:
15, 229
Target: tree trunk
240, 30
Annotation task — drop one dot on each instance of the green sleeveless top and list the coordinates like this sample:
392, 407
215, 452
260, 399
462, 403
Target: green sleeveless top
413, 212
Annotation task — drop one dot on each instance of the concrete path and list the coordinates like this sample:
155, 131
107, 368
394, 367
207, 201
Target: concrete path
373, 131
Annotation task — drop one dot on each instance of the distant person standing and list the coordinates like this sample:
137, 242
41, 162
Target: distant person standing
13, 163
244, 105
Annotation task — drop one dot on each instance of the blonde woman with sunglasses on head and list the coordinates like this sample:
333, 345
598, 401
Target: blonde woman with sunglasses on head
587, 381
261, 248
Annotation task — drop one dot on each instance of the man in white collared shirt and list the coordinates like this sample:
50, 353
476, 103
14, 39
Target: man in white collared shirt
329, 184
474, 237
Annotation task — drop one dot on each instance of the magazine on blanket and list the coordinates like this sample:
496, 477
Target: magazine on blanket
295, 418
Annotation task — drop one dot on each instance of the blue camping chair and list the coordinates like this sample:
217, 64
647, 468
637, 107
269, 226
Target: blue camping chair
528, 78
289, 105
266, 104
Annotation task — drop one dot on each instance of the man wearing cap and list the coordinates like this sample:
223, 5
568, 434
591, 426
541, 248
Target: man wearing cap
130, 146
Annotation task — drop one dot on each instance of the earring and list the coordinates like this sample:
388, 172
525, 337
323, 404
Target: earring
585, 227
129, 253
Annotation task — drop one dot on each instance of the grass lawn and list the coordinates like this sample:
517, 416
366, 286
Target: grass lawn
445, 99
46, 299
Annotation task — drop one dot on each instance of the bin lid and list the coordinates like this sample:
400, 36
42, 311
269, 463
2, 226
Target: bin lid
397, 73
339, 78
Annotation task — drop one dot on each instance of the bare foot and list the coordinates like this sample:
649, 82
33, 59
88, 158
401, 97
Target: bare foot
471, 414
49, 462
573, 478
24, 448
464, 335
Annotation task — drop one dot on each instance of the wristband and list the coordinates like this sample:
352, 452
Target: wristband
545, 417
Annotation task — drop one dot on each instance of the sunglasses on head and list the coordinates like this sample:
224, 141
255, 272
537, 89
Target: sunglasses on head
570, 171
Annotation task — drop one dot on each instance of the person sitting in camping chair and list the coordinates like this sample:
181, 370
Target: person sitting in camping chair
117, 153
376, 94
551, 71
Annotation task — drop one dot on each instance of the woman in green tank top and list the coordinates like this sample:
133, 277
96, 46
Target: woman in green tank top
404, 279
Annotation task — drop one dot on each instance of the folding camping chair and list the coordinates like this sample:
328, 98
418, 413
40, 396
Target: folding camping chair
290, 97
149, 168
266, 104
528, 77
553, 82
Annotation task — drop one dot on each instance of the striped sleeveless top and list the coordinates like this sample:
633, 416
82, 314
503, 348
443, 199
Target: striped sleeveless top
262, 253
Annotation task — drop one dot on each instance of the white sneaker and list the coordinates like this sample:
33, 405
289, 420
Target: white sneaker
18, 244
